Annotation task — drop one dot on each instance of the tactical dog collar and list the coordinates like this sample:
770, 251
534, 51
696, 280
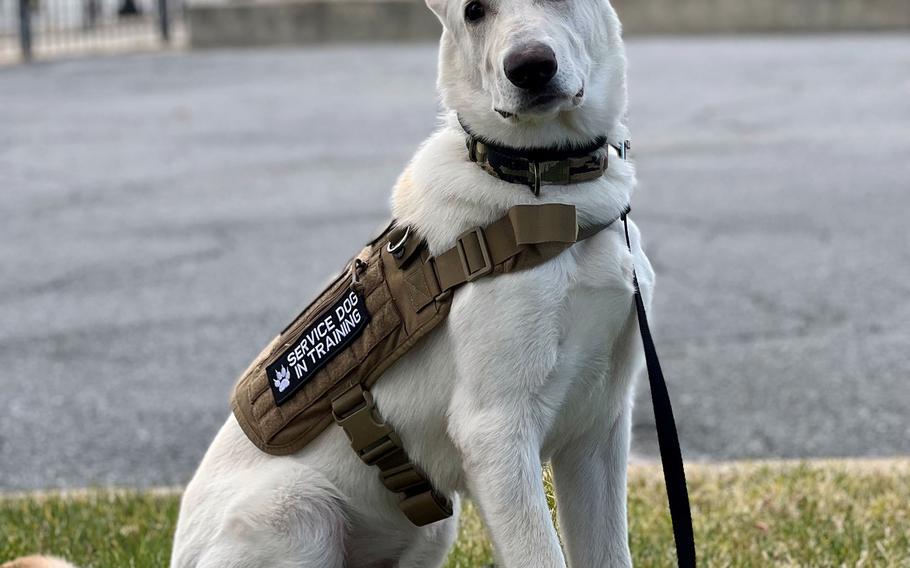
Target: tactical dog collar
542, 166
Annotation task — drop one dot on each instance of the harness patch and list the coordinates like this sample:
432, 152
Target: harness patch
329, 334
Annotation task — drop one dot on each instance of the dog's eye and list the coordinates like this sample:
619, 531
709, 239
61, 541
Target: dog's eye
474, 11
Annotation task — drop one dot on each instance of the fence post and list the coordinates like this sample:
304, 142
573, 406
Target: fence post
25, 29
164, 21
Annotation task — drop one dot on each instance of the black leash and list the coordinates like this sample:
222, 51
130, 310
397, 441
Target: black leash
667, 437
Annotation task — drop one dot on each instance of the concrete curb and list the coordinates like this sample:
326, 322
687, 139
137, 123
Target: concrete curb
301, 22
761, 16
310, 22
638, 467
80, 493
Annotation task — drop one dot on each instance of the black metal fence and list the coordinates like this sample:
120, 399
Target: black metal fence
47, 28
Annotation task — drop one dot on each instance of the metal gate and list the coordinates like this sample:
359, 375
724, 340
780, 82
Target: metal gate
48, 28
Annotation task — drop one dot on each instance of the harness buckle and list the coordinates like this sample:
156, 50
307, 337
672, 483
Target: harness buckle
371, 438
487, 267
426, 507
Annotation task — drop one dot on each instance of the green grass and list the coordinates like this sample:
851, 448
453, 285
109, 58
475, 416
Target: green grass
762, 514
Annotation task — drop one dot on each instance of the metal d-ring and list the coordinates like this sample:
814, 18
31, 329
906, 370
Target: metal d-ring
397, 249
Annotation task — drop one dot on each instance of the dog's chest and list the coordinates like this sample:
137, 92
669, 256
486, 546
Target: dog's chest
597, 306
555, 325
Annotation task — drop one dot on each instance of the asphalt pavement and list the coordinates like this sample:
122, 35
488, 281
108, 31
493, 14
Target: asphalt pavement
163, 216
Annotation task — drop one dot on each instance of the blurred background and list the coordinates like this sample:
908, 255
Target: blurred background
178, 178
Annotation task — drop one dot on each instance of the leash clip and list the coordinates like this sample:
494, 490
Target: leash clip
623, 149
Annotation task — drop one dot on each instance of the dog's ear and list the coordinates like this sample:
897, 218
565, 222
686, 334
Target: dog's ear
438, 7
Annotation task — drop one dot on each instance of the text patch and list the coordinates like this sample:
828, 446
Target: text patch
329, 334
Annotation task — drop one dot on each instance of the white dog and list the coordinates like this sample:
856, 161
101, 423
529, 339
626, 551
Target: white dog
530, 367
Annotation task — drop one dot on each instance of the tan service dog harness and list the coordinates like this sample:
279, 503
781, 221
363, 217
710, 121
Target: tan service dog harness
320, 368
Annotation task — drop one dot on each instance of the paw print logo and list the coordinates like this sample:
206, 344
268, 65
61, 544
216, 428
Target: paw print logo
282, 379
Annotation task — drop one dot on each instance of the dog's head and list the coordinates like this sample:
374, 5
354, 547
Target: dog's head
531, 73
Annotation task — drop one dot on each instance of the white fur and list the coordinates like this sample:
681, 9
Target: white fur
530, 367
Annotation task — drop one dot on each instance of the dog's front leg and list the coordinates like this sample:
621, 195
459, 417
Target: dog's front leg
501, 408
589, 473
590, 480
504, 476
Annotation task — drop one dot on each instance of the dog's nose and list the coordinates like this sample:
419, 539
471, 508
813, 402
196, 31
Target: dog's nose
531, 67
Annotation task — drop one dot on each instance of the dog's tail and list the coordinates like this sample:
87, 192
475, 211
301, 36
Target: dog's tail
38, 562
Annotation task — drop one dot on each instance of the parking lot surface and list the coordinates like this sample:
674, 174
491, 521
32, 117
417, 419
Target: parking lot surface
163, 216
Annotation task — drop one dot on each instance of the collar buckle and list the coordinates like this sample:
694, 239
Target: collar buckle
477, 151
534, 177
472, 148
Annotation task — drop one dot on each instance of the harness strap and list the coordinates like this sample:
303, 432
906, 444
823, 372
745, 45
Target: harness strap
529, 235
667, 437
377, 444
